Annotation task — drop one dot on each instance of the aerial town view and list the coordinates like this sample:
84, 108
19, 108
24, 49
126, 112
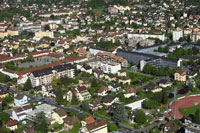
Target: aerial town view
99, 66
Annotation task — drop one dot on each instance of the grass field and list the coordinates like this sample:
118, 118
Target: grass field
97, 10
190, 110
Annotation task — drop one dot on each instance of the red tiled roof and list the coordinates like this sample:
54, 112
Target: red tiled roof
38, 68
71, 59
102, 89
81, 88
1, 99
89, 120
39, 52
11, 123
56, 55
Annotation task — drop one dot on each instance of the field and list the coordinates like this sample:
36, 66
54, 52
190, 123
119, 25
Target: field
190, 110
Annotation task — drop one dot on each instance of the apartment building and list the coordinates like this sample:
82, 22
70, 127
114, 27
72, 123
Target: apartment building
111, 58
44, 76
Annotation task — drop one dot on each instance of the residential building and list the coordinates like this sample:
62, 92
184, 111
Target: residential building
59, 115
129, 92
97, 127
103, 91
44, 76
111, 58
20, 99
109, 100
165, 83
12, 125
177, 34
46, 108
20, 113
69, 122
180, 76
146, 36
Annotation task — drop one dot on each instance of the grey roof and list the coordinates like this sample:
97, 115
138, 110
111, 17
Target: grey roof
108, 98
49, 70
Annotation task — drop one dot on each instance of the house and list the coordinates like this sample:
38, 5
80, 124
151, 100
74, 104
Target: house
20, 113
87, 69
20, 99
152, 87
3, 94
165, 83
12, 125
121, 73
129, 92
180, 76
114, 88
29, 130
87, 121
98, 74
103, 91
97, 127
69, 122
111, 77
109, 100
170, 127
59, 115
125, 80
95, 104
85, 81
82, 93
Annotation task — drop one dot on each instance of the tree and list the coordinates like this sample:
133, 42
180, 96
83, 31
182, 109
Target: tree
112, 127
74, 99
54, 82
59, 95
164, 97
149, 104
40, 122
140, 117
4, 117
52, 17
94, 83
76, 128
47, 27
197, 116
72, 112
119, 114
85, 106
28, 86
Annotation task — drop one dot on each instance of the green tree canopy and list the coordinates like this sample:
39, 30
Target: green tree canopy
74, 99
119, 114
140, 117
85, 106
40, 122
4, 117
28, 86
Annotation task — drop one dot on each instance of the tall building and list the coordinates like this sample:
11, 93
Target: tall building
177, 34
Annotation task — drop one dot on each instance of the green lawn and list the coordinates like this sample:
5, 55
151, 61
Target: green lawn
190, 110
103, 114
97, 10
139, 78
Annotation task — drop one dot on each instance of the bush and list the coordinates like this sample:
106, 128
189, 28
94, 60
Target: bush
140, 117
112, 127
